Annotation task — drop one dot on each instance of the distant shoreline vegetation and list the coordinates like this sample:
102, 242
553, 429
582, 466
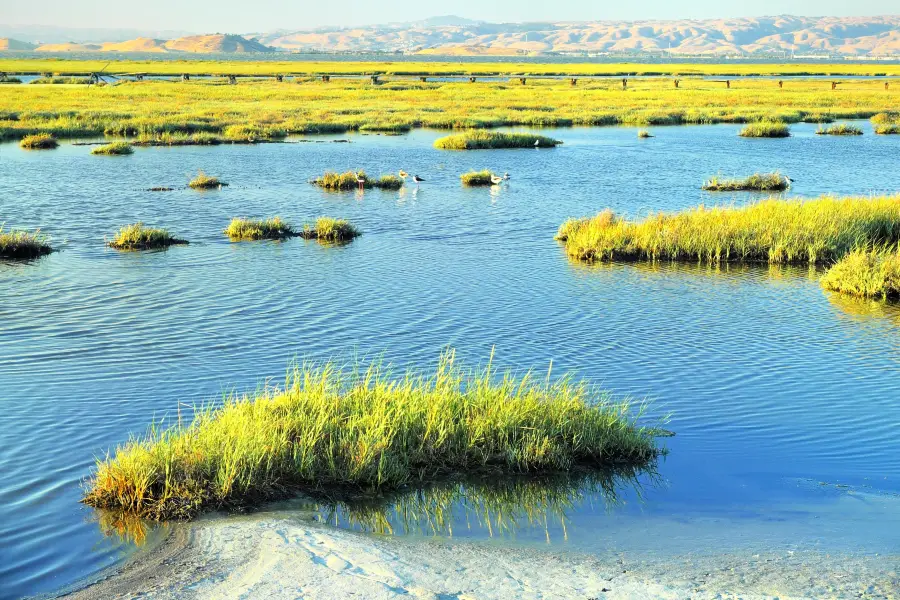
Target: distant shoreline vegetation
204, 113
488, 140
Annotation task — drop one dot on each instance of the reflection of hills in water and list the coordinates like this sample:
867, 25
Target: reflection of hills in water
491, 507
486, 506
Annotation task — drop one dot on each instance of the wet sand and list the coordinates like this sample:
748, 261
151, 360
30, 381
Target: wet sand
277, 555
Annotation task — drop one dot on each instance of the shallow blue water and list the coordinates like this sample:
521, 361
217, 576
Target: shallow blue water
773, 385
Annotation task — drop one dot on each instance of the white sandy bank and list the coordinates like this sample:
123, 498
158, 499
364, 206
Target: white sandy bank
275, 556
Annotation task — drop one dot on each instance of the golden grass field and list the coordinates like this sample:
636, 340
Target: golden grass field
263, 109
241, 67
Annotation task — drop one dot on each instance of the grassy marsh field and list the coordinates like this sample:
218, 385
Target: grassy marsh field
364, 428
774, 231
164, 112
758, 182
868, 273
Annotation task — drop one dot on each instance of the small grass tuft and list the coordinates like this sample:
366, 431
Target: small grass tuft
138, 237
487, 140
887, 129
204, 182
40, 141
839, 129
364, 429
644, 134
255, 229
350, 181
873, 273
327, 229
766, 129
477, 178
758, 182
18, 244
114, 149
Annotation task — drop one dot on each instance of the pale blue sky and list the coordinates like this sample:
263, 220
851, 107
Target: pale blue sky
258, 15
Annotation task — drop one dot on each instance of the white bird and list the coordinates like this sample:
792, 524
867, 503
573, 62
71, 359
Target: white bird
537, 143
417, 179
361, 180
506, 176
496, 180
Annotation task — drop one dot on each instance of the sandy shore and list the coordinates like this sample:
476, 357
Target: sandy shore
275, 555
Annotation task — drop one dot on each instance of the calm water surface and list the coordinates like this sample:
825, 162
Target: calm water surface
781, 394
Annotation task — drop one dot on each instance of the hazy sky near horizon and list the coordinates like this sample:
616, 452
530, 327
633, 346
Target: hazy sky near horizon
260, 15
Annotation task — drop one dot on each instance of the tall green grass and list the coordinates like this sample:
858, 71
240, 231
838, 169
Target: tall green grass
485, 140
839, 129
758, 182
39, 141
774, 231
328, 229
114, 149
18, 244
139, 237
869, 273
336, 428
766, 129
259, 229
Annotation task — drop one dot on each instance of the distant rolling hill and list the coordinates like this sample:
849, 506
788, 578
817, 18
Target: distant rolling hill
839, 35
10, 44
206, 44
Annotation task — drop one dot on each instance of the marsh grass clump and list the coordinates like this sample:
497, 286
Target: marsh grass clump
114, 149
178, 139
327, 229
259, 229
885, 118
16, 244
362, 428
139, 237
839, 129
350, 181
477, 178
40, 141
773, 231
758, 182
644, 134
487, 140
868, 273
204, 182
887, 129
766, 129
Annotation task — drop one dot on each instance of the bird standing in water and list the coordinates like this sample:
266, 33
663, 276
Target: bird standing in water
361, 180
496, 179
417, 179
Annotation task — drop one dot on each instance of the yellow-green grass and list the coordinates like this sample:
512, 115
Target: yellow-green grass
487, 140
204, 182
839, 129
868, 273
178, 139
17, 244
162, 112
214, 66
766, 129
364, 428
11, 80
477, 178
888, 129
39, 141
114, 149
61, 81
328, 229
350, 181
139, 237
886, 118
644, 134
774, 231
259, 229
758, 182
